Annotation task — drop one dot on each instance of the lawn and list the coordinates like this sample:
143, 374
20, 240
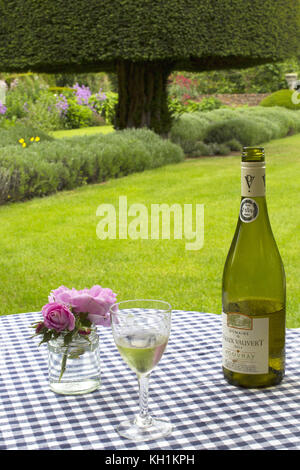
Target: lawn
52, 241
82, 131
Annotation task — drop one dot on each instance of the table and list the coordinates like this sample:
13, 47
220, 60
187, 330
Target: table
187, 386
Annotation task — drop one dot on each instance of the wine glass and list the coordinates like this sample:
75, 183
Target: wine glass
141, 330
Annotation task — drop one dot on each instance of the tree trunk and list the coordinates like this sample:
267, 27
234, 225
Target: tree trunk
142, 88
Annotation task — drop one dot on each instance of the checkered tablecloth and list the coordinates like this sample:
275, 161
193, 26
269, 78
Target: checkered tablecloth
187, 386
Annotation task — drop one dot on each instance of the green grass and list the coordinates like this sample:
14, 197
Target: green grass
82, 131
47, 242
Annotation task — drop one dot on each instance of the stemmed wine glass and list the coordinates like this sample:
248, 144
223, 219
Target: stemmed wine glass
141, 330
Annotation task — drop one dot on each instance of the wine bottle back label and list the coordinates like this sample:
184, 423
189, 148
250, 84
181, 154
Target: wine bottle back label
249, 210
253, 179
245, 343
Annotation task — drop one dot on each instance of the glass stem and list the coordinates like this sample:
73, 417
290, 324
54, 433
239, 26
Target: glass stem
143, 419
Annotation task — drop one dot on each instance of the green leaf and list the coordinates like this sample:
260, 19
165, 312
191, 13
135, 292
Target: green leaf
84, 321
47, 335
76, 353
63, 364
68, 338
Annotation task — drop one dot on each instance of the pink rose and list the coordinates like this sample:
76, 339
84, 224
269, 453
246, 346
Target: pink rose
95, 301
58, 317
62, 294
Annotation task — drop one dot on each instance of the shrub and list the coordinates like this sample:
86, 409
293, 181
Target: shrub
209, 104
58, 90
219, 114
94, 81
234, 145
78, 115
181, 86
220, 149
43, 113
104, 106
30, 100
177, 107
280, 98
13, 134
201, 149
266, 78
189, 129
7, 123
281, 121
248, 132
67, 163
24, 90
234, 128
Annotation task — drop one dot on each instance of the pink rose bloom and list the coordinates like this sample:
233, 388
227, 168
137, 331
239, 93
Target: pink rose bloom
63, 295
58, 317
95, 301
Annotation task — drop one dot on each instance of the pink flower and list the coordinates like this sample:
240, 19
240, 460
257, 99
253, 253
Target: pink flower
58, 317
95, 301
63, 295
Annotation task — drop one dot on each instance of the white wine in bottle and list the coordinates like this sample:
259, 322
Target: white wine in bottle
253, 291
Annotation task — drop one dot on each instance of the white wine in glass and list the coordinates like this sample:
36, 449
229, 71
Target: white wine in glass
141, 330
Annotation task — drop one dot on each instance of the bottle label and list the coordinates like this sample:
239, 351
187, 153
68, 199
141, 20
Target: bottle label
249, 210
245, 343
253, 179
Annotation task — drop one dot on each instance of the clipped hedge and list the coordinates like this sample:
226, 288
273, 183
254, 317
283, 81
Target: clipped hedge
68, 163
223, 130
143, 41
88, 36
281, 98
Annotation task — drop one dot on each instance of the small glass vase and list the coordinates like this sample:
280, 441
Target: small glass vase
74, 369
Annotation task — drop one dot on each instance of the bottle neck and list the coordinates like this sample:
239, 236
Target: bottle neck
253, 179
253, 186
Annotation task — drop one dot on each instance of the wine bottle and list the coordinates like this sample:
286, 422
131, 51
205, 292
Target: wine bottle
253, 290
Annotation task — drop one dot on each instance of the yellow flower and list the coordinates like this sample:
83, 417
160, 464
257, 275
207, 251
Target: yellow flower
37, 139
21, 141
24, 144
31, 139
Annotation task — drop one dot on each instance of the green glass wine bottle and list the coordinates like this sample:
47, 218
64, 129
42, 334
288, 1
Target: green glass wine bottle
253, 291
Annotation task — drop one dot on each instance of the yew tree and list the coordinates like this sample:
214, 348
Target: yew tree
143, 41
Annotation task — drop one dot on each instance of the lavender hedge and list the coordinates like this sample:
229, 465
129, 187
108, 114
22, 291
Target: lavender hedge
45, 167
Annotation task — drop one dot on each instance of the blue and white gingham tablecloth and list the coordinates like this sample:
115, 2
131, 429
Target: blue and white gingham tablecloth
187, 386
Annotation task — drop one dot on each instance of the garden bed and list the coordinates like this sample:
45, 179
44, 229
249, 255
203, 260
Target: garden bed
224, 130
44, 167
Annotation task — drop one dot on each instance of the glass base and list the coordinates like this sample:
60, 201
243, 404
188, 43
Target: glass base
154, 429
75, 388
